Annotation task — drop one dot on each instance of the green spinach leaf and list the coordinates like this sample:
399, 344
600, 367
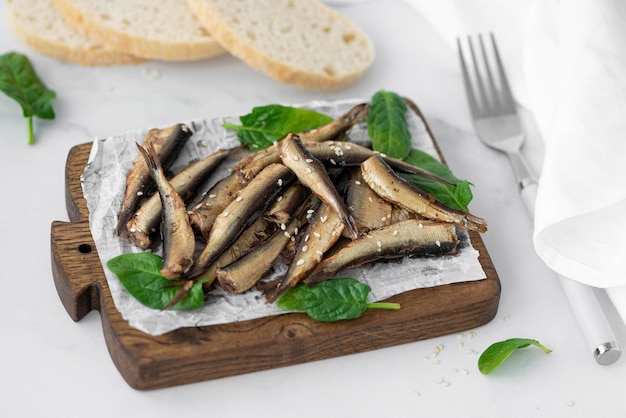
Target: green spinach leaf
267, 124
496, 353
140, 276
457, 196
19, 81
331, 300
387, 126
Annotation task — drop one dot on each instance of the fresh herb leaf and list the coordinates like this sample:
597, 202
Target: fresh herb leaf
267, 124
387, 126
140, 276
331, 300
457, 196
496, 353
19, 81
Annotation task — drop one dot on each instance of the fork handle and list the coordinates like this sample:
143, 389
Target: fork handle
582, 299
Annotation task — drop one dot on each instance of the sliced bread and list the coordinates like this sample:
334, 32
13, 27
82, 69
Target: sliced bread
163, 29
39, 25
300, 42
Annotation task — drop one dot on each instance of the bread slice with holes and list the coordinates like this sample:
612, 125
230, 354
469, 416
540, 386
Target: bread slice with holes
301, 42
39, 25
163, 29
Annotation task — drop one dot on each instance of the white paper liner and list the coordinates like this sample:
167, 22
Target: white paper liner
104, 182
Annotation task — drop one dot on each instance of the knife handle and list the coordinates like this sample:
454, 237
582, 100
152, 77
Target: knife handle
582, 299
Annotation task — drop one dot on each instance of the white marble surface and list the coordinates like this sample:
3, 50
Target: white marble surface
54, 366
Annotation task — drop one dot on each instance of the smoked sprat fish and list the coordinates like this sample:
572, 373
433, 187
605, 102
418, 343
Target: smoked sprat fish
393, 188
409, 238
178, 238
313, 175
167, 143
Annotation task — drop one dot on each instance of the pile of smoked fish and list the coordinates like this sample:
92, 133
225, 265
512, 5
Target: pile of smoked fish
313, 200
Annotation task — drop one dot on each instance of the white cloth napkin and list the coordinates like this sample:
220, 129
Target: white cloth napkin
566, 61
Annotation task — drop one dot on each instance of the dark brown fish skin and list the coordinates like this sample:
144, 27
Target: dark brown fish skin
250, 165
251, 201
178, 238
322, 232
393, 188
167, 143
312, 173
147, 217
409, 238
203, 214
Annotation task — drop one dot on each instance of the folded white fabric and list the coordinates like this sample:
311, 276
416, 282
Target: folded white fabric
566, 61
575, 65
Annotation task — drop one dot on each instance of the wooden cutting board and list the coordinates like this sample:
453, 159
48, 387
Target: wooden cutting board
201, 353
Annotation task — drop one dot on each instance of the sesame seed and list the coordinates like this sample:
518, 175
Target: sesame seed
280, 182
287, 234
300, 262
395, 232
295, 231
420, 225
333, 162
212, 196
369, 236
139, 193
317, 234
318, 252
438, 243
283, 226
239, 199
306, 238
379, 244
383, 219
323, 218
308, 170
305, 248
279, 198
225, 213
308, 160
348, 147
358, 183
383, 155
370, 199
132, 230
295, 158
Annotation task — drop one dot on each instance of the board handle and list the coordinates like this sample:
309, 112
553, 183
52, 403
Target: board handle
75, 267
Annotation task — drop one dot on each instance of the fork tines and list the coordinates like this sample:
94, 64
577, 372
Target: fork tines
492, 96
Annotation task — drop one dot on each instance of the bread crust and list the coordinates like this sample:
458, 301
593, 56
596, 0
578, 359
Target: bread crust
219, 23
87, 53
132, 42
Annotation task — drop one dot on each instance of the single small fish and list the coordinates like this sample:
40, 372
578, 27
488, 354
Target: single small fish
322, 232
409, 238
312, 173
178, 238
250, 202
203, 214
167, 144
148, 216
393, 188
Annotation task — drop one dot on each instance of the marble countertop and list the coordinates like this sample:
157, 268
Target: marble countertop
54, 366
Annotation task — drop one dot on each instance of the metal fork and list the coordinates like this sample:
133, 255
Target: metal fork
497, 124
495, 116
